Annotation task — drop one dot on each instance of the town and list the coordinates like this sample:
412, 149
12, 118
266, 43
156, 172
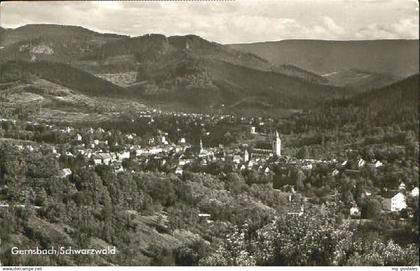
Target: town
258, 156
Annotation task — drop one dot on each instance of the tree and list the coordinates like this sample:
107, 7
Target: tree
190, 254
299, 177
235, 183
371, 209
303, 153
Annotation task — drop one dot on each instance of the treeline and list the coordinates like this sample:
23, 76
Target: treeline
93, 203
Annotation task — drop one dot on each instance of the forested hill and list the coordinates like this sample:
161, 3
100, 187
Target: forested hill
203, 82
395, 57
61, 74
393, 105
194, 72
184, 70
53, 32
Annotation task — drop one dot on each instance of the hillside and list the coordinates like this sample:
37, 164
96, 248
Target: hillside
150, 48
196, 72
393, 105
100, 53
359, 80
59, 43
53, 31
396, 57
147, 49
383, 121
187, 70
295, 71
209, 82
62, 74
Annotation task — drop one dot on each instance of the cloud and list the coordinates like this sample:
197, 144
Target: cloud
228, 22
332, 26
402, 29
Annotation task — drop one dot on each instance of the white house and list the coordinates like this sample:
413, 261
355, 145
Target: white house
155, 150
415, 192
65, 172
252, 130
124, 155
139, 152
237, 159
355, 211
178, 171
361, 163
402, 186
378, 164
97, 161
78, 137
105, 157
335, 172
396, 203
163, 140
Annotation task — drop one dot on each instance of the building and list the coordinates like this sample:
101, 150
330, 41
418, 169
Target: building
355, 211
335, 172
415, 192
260, 153
123, 155
252, 130
102, 158
78, 137
395, 203
65, 172
163, 140
246, 155
277, 145
201, 146
275, 148
361, 163
378, 164
178, 170
203, 217
236, 159
402, 187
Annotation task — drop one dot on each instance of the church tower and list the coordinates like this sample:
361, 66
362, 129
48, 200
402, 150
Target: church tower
246, 155
276, 144
201, 146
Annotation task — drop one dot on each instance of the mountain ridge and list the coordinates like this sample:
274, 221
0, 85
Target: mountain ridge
326, 56
187, 69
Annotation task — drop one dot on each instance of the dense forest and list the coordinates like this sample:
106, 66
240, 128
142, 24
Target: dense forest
95, 206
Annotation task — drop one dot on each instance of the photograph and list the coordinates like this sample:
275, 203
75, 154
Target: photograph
209, 133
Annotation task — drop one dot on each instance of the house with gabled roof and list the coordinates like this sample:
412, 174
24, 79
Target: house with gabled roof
394, 201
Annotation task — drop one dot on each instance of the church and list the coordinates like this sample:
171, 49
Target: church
264, 152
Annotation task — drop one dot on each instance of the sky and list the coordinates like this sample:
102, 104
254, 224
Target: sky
232, 21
